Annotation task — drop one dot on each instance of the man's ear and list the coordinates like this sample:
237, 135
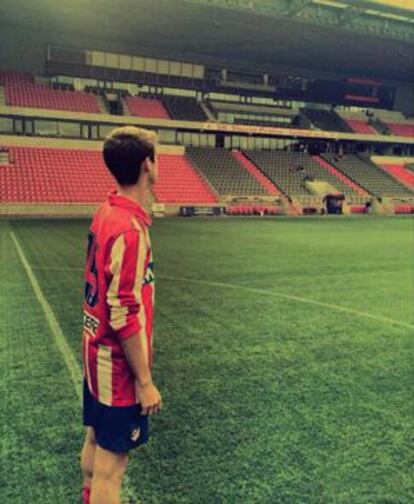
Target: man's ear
146, 167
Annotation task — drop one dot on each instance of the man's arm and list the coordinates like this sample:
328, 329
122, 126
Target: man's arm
135, 352
127, 261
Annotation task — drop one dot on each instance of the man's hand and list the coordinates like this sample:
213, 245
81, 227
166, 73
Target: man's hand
135, 351
150, 399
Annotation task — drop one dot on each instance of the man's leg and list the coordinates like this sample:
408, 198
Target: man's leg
108, 471
87, 462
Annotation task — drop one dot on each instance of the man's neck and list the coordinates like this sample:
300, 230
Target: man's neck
136, 193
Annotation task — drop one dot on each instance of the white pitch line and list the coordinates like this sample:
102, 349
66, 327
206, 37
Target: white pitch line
60, 340
291, 298
282, 295
57, 268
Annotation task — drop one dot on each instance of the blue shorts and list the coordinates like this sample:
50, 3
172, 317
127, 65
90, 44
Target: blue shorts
118, 429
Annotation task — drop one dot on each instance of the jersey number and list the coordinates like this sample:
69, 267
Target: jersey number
91, 285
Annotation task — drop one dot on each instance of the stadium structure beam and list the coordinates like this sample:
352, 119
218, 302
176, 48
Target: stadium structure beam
363, 16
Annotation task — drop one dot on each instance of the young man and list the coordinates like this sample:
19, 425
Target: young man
118, 315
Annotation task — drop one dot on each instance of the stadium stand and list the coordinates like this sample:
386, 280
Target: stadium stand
184, 108
178, 182
291, 171
146, 107
20, 90
368, 175
326, 120
224, 172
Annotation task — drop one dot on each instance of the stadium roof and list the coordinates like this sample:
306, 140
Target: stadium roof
201, 31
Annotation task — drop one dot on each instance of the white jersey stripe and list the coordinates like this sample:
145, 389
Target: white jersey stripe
118, 317
139, 276
104, 372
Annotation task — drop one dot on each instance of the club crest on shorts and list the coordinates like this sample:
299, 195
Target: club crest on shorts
135, 435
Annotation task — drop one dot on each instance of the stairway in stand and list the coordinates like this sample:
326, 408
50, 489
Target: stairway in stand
102, 105
2, 97
257, 174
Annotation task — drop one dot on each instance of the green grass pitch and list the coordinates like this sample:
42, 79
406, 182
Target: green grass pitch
272, 393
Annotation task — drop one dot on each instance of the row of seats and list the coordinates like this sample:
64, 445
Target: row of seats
367, 175
21, 91
358, 209
404, 209
224, 172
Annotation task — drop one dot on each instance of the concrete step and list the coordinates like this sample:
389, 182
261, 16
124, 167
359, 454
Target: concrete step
207, 111
125, 109
102, 105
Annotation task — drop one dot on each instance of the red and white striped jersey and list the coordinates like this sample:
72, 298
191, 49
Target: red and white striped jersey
119, 298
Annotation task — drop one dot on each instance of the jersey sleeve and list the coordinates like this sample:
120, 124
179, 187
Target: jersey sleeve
126, 266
